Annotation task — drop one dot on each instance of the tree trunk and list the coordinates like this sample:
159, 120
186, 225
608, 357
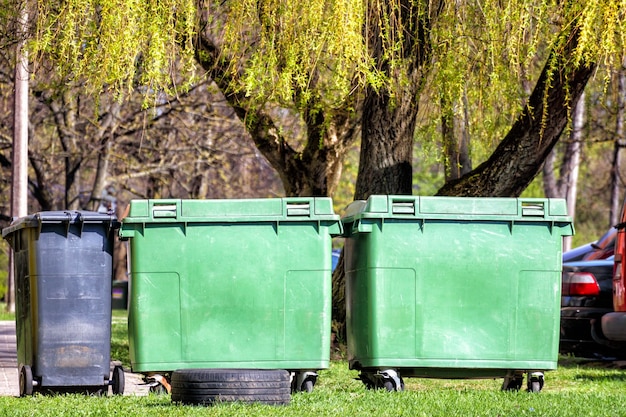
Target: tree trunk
104, 135
565, 186
521, 154
571, 164
312, 171
456, 139
65, 110
385, 164
619, 143
388, 122
550, 186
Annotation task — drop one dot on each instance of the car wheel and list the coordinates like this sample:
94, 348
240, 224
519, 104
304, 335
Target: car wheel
208, 386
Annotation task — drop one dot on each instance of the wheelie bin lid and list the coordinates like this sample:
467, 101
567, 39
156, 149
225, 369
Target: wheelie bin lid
37, 220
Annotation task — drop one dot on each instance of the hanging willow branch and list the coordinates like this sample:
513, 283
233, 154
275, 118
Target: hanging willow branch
304, 51
117, 44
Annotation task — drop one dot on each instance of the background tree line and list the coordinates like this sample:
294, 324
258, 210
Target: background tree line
339, 98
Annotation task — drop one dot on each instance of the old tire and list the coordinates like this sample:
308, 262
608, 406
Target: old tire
209, 386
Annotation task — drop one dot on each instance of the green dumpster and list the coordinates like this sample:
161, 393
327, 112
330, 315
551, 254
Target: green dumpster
451, 287
230, 284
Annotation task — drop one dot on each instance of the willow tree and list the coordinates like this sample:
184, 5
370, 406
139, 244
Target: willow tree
341, 67
297, 90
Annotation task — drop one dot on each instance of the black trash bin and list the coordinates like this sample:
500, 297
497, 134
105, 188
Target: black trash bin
63, 269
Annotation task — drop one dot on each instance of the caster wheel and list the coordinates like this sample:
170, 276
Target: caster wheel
513, 383
307, 385
118, 380
26, 381
535, 382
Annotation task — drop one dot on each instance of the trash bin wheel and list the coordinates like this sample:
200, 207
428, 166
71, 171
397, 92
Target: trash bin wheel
535, 382
513, 382
303, 381
307, 385
390, 384
26, 381
118, 381
208, 386
391, 381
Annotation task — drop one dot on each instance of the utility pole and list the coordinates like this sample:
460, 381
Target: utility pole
19, 180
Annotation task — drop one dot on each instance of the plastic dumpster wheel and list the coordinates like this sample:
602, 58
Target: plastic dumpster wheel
209, 386
391, 385
307, 385
513, 382
377, 381
26, 381
535, 382
303, 382
118, 380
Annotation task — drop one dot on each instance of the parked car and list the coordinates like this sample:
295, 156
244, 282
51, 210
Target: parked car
600, 249
614, 324
593, 299
604, 247
578, 253
335, 258
586, 296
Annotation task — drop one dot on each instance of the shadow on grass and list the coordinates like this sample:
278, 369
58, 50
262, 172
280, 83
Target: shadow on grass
595, 370
568, 361
591, 377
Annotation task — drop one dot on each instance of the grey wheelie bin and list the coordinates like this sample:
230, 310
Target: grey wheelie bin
63, 271
451, 287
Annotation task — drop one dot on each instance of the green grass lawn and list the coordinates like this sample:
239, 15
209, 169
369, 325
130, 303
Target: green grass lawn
577, 388
573, 390
4, 314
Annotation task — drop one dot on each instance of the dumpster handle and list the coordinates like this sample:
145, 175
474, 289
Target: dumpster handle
533, 208
298, 208
164, 210
403, 206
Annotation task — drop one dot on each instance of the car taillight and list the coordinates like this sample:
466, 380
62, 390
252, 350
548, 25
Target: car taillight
580, 284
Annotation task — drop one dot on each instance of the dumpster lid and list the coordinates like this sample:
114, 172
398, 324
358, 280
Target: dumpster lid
458, 208
60, 216
231, 210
